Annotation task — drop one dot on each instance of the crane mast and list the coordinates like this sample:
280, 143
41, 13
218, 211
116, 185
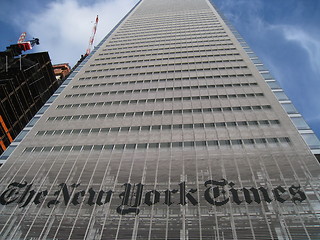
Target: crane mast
94, 29
22, 37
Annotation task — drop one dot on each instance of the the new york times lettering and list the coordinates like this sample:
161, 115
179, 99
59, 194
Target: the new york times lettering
216, 193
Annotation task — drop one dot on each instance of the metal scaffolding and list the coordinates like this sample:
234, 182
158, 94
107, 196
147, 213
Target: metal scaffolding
26, 83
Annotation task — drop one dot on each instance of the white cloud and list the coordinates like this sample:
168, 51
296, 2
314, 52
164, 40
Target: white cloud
64, 27
309, 43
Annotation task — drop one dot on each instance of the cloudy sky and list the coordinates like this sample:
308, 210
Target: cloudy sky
285, 35
64, 27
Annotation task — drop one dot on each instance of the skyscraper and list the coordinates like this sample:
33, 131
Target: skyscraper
171, 129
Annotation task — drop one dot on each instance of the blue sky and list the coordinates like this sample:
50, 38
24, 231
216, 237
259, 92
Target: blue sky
285, 34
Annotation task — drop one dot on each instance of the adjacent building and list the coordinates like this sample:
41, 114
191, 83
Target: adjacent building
26, 83
61, 71
170, 129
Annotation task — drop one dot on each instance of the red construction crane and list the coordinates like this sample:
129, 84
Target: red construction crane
22, 45
94, 29
26, 45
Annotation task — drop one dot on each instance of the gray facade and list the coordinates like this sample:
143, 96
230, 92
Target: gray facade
168, 131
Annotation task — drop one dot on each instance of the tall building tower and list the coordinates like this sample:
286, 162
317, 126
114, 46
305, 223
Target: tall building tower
170, 129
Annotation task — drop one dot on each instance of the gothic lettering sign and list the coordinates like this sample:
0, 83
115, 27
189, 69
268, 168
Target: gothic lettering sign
216, 193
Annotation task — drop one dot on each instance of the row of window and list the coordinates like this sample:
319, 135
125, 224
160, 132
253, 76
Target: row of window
171, 19
182, 32
178, 28
146, 90
158, 127
171, 58
165, 21
128, 27
168, 80
190, 43
165, 58
186, 37
158, 112
165, 72
194, 33
190, 65
152, 100
187, 144
176, 40
173, 28
193, 50
172, 72
170, 46
152, 20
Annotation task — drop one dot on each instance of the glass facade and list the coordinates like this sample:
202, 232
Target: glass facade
169, 130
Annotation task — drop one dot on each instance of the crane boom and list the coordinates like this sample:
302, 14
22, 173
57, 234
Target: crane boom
94, 29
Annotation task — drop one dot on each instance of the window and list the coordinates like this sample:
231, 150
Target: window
272, 140
165, 145
281, 95
131, 146
188, 144
166, 127
153, 145
253, 123
87, 148
224, 142
266, 76
248, 141
142, 145
50, 132
289, 108
39, 133
85, 131
274, 121
311, 140
115, 129
66, 148
260, 141
177, 144
231, 124
145, 128
201, 143
33, 121
104, 130
220, 124
58, 132
263, 122
125, 129
76, 131
97, 147
236, 142
299, 122
67, 132
273, 84
57, 148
